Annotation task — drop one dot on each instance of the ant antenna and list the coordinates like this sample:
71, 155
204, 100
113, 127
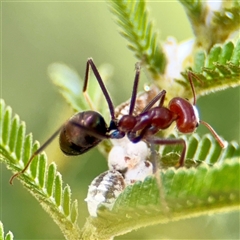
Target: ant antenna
221, 142
190, 75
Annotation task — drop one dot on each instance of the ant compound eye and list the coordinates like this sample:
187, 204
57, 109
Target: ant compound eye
104, 190
188, 118
82, 132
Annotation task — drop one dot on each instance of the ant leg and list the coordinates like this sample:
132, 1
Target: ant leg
159, 141
91, 64
160, 96
153, 158
157, 173
221, 142
134, 90
39, 150
147, 131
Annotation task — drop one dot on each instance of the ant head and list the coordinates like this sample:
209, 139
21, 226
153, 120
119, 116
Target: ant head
188, 119
83, 131
187, 115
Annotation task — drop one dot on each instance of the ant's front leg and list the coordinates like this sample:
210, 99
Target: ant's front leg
160, 141
91, 64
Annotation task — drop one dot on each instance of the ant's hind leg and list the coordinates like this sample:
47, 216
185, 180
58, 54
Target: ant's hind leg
160, 141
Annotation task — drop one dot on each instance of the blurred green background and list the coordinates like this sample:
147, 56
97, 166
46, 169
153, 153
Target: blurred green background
36, 34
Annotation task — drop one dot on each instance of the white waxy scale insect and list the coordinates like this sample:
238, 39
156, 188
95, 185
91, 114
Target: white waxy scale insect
104, 190
138, 173
126, 155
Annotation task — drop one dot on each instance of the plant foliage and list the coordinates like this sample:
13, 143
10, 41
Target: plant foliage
218, 70
43, 182
211, 27
215, 189
9, 235
207, 183
132, 17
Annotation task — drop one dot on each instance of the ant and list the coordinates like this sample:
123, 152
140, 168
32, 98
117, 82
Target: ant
87, 129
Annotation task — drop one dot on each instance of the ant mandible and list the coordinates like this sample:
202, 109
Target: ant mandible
86, 129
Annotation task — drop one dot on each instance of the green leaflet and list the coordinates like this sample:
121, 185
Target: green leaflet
197, 190
217, 70
216, 65
9, 235
184, 193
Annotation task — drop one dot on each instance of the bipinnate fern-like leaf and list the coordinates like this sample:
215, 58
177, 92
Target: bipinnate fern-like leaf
208, 183
43, 182
216, 65
218, 70
9, 235
132, 17
200, 188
